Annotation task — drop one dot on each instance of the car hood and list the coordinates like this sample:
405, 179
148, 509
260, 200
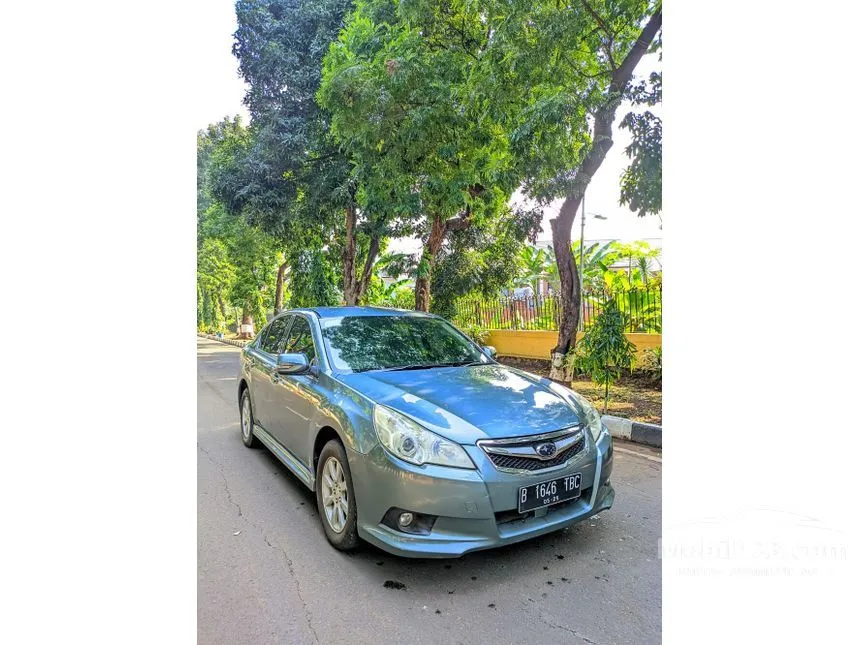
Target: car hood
466, 404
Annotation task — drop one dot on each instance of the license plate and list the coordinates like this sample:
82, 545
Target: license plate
549, 492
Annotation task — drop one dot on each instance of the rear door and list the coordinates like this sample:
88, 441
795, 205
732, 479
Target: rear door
263, 374
252, 358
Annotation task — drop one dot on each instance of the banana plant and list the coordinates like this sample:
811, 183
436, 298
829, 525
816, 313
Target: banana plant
597, 259
535, 266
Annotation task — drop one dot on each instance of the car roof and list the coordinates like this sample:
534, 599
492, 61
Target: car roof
337, 312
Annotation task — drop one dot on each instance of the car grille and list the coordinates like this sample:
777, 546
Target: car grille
532, 462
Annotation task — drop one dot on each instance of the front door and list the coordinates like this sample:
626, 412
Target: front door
296, 394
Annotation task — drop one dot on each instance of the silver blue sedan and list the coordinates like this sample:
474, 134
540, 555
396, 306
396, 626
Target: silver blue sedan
413, 438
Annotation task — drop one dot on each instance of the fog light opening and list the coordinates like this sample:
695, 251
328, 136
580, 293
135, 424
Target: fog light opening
405, 521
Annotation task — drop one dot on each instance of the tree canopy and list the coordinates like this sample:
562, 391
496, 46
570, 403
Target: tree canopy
378, 119
400, 104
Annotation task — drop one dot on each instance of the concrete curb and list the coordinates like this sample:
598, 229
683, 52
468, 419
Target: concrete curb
228, 341
645, 433
619, 427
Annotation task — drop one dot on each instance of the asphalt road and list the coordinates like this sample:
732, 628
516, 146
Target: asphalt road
265, 573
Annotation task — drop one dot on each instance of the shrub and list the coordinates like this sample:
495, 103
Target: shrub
476, 333
604, 349
652, 362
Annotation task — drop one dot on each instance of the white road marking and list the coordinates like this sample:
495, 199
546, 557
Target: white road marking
639, 454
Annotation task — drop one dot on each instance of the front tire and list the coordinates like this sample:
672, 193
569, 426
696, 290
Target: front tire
246, 420
336, 497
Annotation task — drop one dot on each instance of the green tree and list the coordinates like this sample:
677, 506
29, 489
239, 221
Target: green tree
642, 181
208, 141
553, 74
400, 105
215, 276
231, 247
482, 259
299, 185
313, 281
256, 256
236, 260
604, 350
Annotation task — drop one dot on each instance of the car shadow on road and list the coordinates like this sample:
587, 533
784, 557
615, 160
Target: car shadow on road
486, 569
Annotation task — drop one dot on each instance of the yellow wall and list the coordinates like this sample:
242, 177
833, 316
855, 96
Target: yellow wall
539, 344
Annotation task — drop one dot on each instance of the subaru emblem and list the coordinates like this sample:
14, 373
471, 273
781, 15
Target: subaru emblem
545, 450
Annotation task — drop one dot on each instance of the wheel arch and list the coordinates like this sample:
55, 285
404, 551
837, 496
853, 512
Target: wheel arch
325, 434
243, 385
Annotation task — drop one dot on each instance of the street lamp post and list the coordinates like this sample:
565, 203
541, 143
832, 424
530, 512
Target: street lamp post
581, 246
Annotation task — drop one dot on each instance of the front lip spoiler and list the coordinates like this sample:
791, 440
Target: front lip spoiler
416, 546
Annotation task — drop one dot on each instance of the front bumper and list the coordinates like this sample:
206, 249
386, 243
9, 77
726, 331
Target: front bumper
476, 509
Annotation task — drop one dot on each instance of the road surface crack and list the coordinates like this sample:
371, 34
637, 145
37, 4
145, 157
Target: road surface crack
220, 468
568, 629
295, 578
266, 539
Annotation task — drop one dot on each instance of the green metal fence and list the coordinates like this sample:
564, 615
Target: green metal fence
642, 308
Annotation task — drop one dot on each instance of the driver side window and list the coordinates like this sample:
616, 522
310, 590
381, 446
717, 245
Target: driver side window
274, 340
301, 340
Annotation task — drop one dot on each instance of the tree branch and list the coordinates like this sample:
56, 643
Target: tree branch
369, 261
624, 73
601, 140
610, 35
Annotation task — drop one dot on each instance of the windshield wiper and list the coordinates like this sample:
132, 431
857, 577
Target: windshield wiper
427, 366
467, 363
416, 366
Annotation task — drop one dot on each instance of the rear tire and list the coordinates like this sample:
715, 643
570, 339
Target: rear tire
246, 420
336, 498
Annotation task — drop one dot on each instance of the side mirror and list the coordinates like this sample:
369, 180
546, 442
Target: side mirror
489, 350
292, 364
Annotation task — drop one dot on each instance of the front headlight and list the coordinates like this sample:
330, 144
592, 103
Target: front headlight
592, 416
405, 439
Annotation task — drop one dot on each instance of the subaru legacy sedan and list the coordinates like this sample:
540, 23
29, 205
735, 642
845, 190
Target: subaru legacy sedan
414, 438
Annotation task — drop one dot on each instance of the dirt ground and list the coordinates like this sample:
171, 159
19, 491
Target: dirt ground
633, 397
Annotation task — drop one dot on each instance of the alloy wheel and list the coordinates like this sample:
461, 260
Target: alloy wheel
246, 418
335, 495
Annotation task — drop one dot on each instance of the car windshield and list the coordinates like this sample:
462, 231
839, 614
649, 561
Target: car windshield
362, 343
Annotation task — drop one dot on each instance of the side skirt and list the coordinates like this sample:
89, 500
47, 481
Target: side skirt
284, 456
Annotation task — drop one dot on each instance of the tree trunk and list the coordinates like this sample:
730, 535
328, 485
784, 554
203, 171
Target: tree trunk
222, 307
439, 228
350, 286
601, 142
369, 261
247, 319
569, 292
428, 260
354, 286
279, 288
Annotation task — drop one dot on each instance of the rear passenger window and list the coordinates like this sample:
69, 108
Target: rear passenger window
300, 340
273, 343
